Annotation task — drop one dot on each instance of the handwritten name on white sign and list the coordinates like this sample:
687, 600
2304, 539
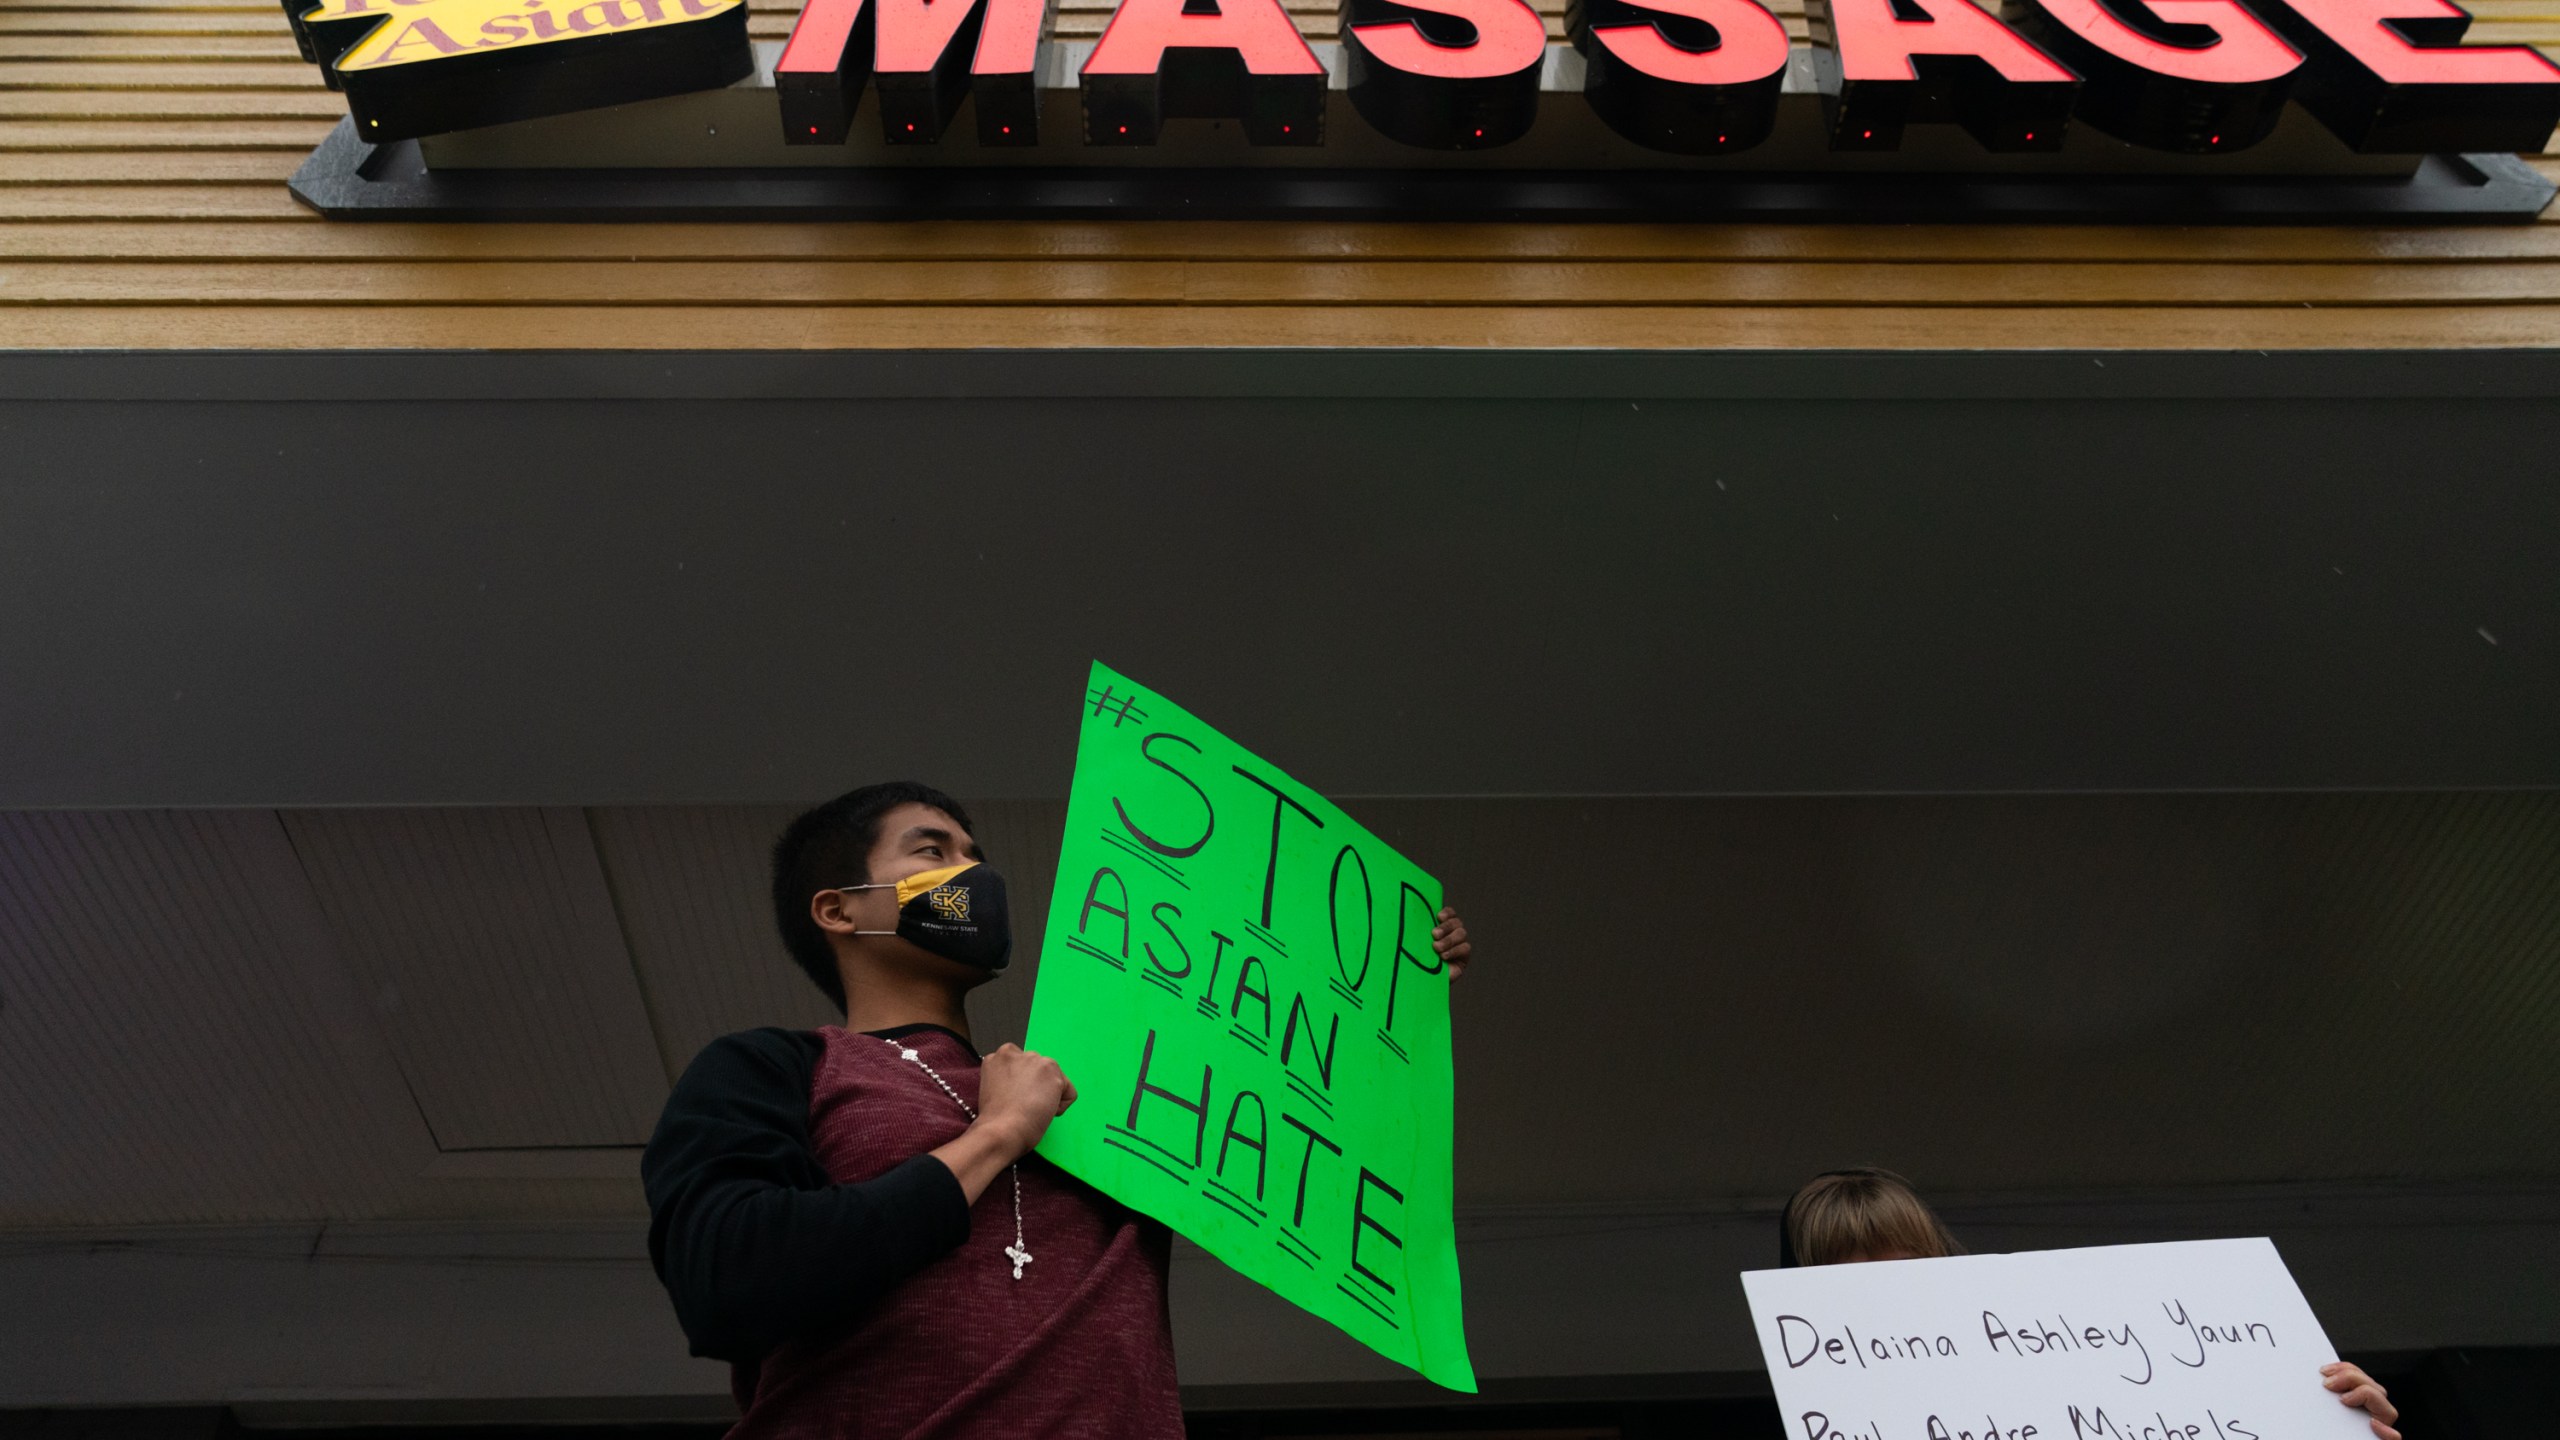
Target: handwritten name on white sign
2199, 1340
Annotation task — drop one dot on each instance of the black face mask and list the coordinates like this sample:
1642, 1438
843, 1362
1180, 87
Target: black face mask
956, 912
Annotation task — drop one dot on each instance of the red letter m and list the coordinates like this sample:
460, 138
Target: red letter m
928, 53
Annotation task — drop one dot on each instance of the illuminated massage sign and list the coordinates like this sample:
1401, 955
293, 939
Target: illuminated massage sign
1696, 77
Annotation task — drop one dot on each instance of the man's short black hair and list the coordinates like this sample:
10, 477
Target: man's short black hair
830, 846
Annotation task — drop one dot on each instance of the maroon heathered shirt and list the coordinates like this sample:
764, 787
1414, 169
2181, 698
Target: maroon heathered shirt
1081, 1348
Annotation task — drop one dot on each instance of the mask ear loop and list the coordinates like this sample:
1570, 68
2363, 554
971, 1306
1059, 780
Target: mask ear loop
847, 889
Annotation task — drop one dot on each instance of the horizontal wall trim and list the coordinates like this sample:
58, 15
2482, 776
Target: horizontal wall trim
1122, 374
416, 1323
590, 1162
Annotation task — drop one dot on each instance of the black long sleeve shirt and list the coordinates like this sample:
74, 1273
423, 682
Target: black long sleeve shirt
754, 1243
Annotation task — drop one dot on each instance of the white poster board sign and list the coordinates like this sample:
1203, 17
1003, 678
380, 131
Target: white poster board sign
2199, 1340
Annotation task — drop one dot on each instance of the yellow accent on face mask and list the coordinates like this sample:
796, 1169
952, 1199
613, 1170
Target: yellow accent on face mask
915, 885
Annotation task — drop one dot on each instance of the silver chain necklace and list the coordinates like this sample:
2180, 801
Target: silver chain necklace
1017, 1252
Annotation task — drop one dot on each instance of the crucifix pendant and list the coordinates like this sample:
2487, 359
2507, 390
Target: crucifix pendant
1019, 1256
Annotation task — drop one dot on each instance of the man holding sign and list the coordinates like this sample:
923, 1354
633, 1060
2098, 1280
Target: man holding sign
854, 1218
1244, 981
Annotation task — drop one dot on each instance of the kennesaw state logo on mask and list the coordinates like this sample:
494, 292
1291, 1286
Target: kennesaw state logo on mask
950, 902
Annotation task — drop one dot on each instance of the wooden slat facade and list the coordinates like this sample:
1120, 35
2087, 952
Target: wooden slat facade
144, 146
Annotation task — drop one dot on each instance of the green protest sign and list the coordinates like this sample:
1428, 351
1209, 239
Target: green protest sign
1239, 979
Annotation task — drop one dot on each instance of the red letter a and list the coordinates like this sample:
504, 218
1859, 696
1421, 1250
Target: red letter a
1207, 60
1887, 63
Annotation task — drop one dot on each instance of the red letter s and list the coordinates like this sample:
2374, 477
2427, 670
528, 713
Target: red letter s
1695, 77
1471, 86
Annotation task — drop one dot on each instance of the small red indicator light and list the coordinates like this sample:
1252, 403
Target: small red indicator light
2216, 140
1006, 129
1866, 134
1124, 129
2031, 134
1719, 139
813, 129
911, 127
1479, 134
1284, 129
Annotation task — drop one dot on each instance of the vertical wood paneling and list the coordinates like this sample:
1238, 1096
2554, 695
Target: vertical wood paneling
1021, 840
2440, 940
487, 943
2054, 992
691, 885
177, 1041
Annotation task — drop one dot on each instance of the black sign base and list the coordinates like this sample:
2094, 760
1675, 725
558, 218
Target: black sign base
346, 179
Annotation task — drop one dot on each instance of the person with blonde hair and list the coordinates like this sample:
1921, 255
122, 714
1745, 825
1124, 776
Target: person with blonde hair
1844, 1217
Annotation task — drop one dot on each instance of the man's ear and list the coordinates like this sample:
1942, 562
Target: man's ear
832, 910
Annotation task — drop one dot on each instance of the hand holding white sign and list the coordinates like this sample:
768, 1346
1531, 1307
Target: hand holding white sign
2200, 1340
